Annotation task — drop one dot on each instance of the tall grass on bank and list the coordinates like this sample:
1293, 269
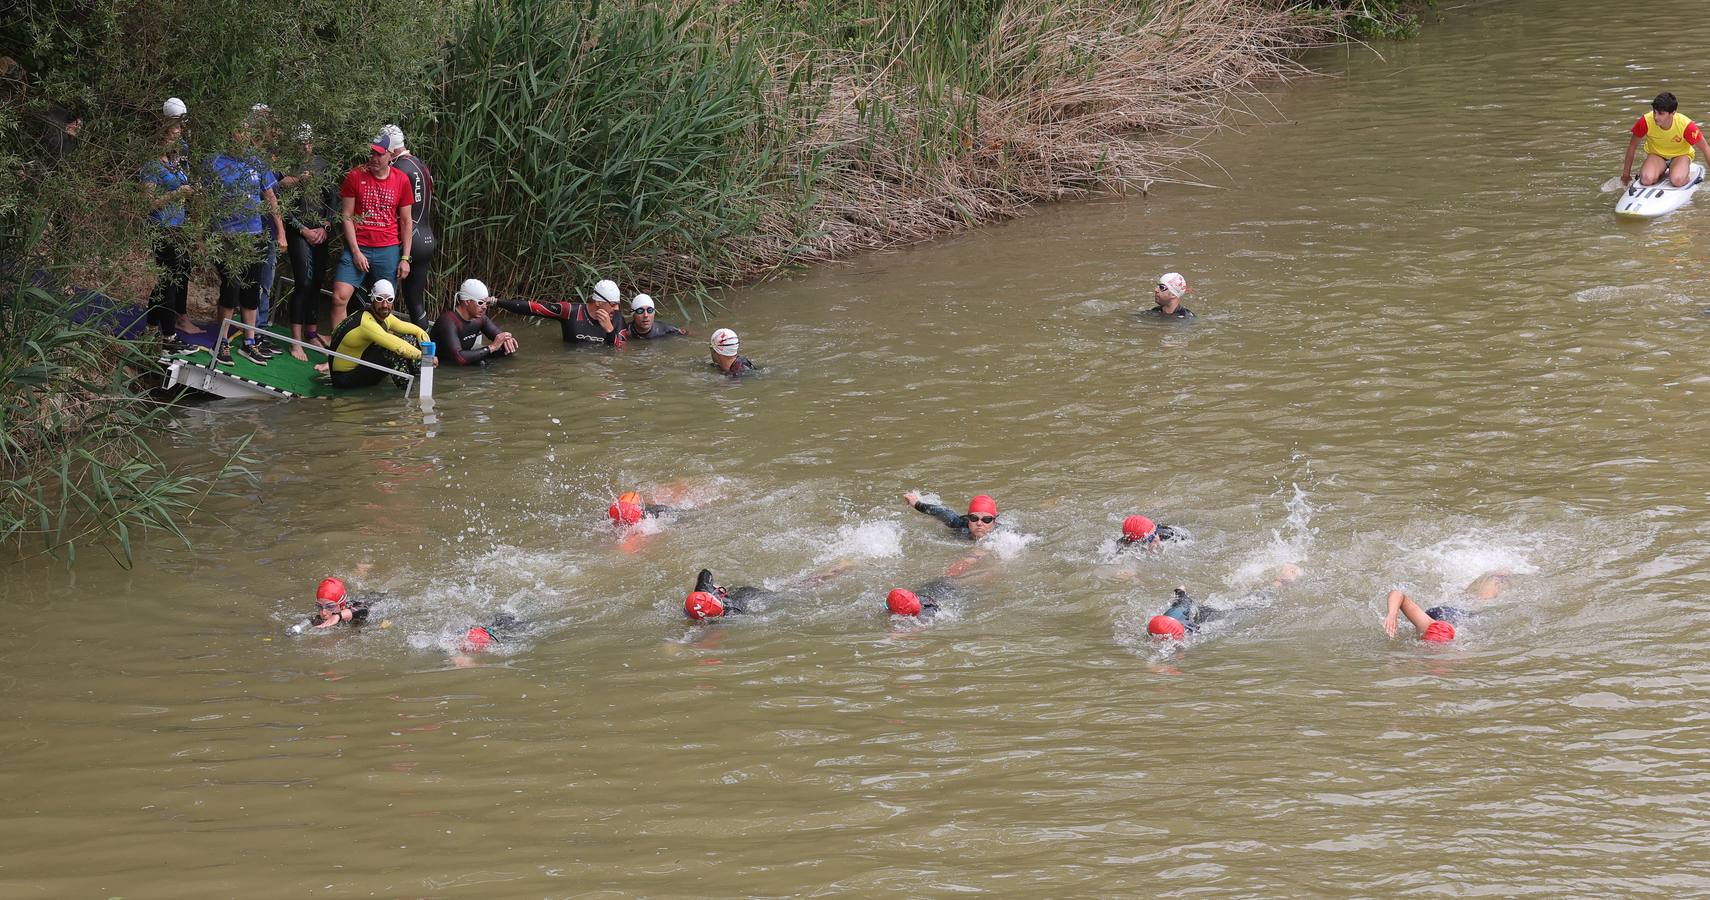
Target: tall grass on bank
720, 141
575, 139
76, 465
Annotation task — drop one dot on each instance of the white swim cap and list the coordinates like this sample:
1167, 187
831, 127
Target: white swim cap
305, 134
382, 288
606, 290
261, 109
724, 342
395, 134
473, 289
173, 108
640, 302
1174, 283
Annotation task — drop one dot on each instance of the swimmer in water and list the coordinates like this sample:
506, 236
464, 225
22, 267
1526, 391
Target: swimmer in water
1437, 624
334, 606
1186, 615
1143, 532
1172, 287
485, 638
710, 600
628, 509
980, 521
922, 603
724, 345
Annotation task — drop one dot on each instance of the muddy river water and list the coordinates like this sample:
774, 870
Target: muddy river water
1425, 348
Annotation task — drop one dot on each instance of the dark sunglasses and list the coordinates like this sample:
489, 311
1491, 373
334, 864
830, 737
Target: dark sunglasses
983, 520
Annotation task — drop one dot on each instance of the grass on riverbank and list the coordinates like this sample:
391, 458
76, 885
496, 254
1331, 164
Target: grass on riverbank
714, 143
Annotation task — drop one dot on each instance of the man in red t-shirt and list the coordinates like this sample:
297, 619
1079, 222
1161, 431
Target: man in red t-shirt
376, 210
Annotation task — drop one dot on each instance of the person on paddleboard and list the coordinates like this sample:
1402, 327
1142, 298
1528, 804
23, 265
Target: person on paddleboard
1437, 624
1669, 139
980, 521
1168, 294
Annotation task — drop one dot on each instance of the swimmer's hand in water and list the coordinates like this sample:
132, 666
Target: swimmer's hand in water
911, 498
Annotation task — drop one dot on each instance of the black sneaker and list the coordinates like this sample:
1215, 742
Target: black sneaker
176, 347
224, 357
266, 349
248, 351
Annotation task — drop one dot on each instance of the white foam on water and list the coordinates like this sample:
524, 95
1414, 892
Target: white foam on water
862, 540
1289, 543
1007, 544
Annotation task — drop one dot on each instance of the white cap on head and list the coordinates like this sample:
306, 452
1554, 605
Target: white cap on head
1174, 283
724, 342
173, 108
382, 288
305, 134
606, 291
260, 108
473, 289
640, 302
395, 136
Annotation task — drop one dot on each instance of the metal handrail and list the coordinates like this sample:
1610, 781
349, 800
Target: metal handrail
409, 379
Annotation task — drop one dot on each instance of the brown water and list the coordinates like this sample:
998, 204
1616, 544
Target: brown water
1425, 348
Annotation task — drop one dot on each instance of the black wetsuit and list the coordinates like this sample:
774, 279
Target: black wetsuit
454, 339
736, 600
743, 366
575, 319
1181, 312
1190, 612
1161, 535
1453, 615
659, 330
934, 594
954, 522
314, 204
422, 241
358, 616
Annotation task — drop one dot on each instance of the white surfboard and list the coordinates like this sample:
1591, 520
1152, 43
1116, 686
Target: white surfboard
1650, 201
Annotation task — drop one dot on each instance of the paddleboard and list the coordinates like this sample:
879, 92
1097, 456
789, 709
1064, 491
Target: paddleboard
1650, 201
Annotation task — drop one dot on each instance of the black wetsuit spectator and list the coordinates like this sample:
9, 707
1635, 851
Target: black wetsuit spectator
458, 328
643, 326
594, 322
1141, 531
979, 522
311, 206
424, 243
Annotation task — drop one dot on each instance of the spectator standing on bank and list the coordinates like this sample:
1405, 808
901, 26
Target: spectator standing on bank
423, 242
374, 207
168, 186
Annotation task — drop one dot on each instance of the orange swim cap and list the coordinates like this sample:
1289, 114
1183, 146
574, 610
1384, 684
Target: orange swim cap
1135, 528
903, 603
702, 605
983, 505
1165, 627
331, 590
1439, 633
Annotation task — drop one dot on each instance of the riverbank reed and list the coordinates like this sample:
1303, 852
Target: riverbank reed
710, 143
77, 465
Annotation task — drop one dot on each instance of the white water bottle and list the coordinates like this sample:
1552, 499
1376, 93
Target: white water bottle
425, 376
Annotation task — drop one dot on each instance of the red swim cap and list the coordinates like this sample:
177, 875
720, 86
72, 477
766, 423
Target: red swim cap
624, 513
330, 591
1165, 627
983, 505
1135, 528
1439, 633
702, 605
903, 603
477, 638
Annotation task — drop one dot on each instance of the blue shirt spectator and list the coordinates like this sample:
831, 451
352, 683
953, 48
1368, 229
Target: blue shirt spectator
241, 183
167, 179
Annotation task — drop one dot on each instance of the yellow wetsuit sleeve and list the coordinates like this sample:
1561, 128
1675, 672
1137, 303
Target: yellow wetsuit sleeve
383, 337
399, 326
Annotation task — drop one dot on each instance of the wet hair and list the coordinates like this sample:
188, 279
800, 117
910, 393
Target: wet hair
1665, 102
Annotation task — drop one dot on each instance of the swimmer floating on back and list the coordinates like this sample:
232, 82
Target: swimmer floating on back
980, 521
1437, 624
